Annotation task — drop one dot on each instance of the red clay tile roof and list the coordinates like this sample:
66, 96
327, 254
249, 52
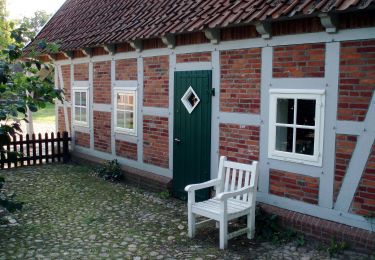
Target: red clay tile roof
90, 23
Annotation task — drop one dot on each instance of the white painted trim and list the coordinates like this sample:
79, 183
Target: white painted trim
314, 210
239, 118
296, 94
91, 89
102, 107
358, 161
57, 102
139, 109
349, 127
66, 117
172, 65
83, 129
266, 76
156, 111
82, 89
299, 91
126, 84
191, 66
126, 138
294, 85
125, 91
326, 184
302, 169
215, 123
113, 79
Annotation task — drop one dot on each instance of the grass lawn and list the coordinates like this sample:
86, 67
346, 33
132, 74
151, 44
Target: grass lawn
45, 115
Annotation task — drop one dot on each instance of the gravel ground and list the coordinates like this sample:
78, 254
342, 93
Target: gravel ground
70, 214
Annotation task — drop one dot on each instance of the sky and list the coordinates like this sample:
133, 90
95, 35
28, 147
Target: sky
20, 8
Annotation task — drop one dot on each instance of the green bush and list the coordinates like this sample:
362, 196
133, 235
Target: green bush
110, 171
268, 228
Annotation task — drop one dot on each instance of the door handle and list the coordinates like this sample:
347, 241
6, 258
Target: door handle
177, 140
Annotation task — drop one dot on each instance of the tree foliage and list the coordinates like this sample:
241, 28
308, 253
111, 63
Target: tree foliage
5, 26
32, 25
24, 84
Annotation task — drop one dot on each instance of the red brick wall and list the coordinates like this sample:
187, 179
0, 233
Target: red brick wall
102, 82
61, 119
102, 131
156, 81
81, 72
65, 70
82, 139
357, 79
294, 186
240, 81
345, 145
126, 69
155, 141
126, 149
297, 61
194, 57
239, 143
364, 199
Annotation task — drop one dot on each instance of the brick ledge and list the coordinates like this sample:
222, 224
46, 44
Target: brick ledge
324, 230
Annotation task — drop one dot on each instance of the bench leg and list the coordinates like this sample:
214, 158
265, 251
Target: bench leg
223, 233
191, 224
251, 225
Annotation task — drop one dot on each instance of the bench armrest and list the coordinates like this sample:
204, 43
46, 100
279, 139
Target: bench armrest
230, 194
199, 186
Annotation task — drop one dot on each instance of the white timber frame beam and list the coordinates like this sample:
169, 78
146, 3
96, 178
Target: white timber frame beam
110, 48
264, 29
213, 34
136, 44
169, 41
357, 164
329, 22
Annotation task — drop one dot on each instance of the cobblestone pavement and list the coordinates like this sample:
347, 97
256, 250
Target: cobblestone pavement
70, 214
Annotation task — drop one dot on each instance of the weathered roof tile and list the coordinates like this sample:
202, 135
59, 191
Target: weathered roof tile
89, 23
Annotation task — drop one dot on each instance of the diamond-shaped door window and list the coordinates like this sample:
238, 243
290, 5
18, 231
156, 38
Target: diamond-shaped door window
190, 100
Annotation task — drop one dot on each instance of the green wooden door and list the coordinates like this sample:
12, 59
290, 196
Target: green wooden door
192, 131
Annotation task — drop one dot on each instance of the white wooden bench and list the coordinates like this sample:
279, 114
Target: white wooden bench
236, 187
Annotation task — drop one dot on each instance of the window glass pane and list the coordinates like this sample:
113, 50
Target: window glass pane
83, 98
77, 98
77, 113
120, 101
121, 119
285, 111
284, 139
83, 114
306, 112
130, 99
305, 141
129, 117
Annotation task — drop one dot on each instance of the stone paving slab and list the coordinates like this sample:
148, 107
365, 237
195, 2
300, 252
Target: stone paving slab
70, 214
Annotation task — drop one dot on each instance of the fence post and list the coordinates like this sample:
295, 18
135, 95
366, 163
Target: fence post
65, 147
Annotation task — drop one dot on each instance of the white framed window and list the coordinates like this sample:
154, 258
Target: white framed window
80, 106
296, 124
125, 100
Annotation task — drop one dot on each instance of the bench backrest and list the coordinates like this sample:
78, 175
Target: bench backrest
235, 176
